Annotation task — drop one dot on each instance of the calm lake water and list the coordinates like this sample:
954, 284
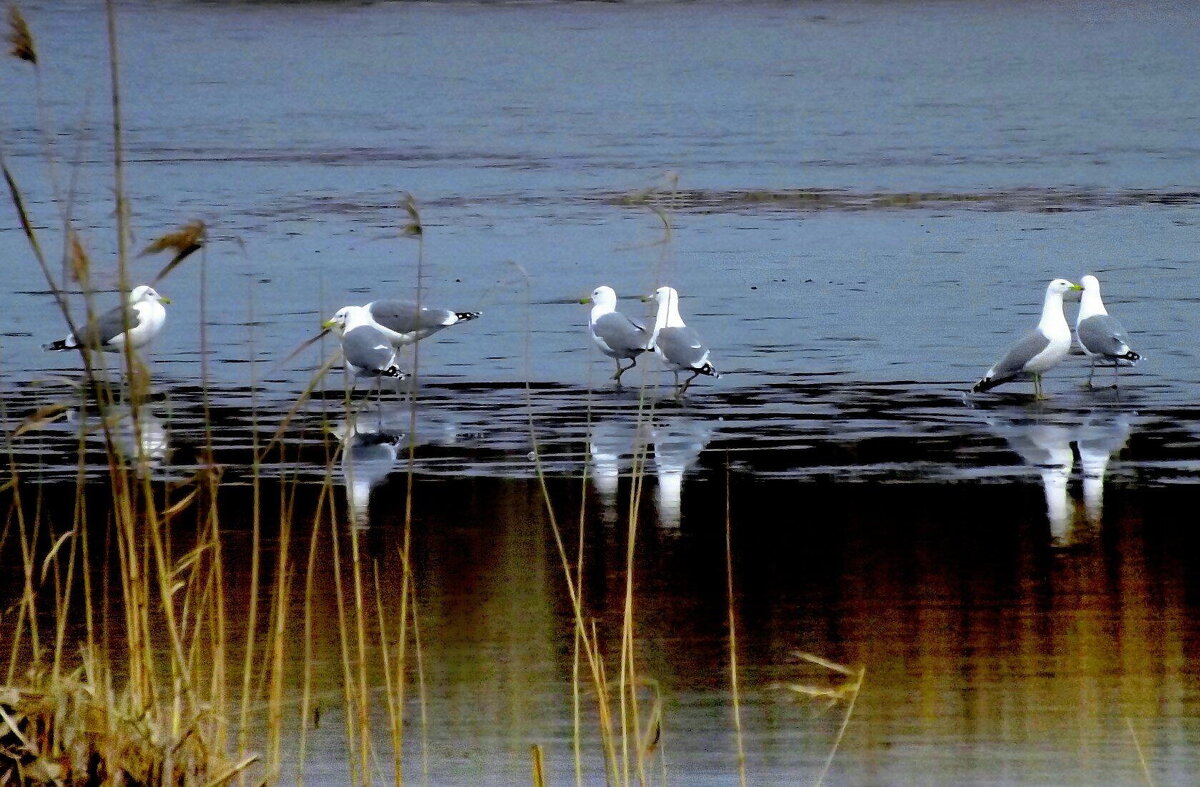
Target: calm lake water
866, 201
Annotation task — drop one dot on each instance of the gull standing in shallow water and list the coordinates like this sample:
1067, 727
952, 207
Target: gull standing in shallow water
367, 350
1101, 337
398, 322
616, 335
403, 323
1039, 350
675, 343
131, 325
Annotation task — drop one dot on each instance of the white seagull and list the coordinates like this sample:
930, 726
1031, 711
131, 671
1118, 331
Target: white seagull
1101, 337
1041, 349
403, 323
367, 350
143, 315
679, 346
616, 335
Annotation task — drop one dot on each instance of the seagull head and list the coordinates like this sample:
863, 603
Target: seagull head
602, 296
662, 296
346, 318
1062, 286
144, 293
338, 321
1090, 298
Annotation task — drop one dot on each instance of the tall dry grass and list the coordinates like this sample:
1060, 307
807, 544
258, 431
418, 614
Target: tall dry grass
146, 673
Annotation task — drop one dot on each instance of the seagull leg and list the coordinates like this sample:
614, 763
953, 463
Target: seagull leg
1116, 375
1037, 387
622, 369
351, 410
686, 383
1092, 373
379, 402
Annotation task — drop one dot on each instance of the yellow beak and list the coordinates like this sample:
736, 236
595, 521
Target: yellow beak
328, 324
163, 299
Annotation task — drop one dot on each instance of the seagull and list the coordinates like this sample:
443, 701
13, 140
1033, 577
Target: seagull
403, 323
676, 344
616, 335
367, 350
399, 322
132, 325
1041, 349
1101, 337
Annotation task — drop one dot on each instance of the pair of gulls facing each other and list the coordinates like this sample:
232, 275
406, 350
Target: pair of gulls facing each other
1101, 338
619, 337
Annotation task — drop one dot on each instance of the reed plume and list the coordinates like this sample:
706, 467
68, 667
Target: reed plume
20, 37
183, 241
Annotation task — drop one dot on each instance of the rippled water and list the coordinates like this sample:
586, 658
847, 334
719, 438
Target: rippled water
865, 202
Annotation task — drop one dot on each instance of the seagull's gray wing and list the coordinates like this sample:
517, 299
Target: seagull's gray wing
108, 326
405, 317
1103, 335
368, 349
623, 336
1022, 353
682, 347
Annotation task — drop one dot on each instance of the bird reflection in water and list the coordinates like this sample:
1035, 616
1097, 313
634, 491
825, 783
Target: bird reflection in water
1100, 437
612, 448
142, 442
678, 443
1047, 448
367, 459
1044, 442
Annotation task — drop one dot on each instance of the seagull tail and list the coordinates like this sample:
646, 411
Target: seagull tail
464, 316
708, 369
393, 371
988, 383
55, 346
1130, 356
